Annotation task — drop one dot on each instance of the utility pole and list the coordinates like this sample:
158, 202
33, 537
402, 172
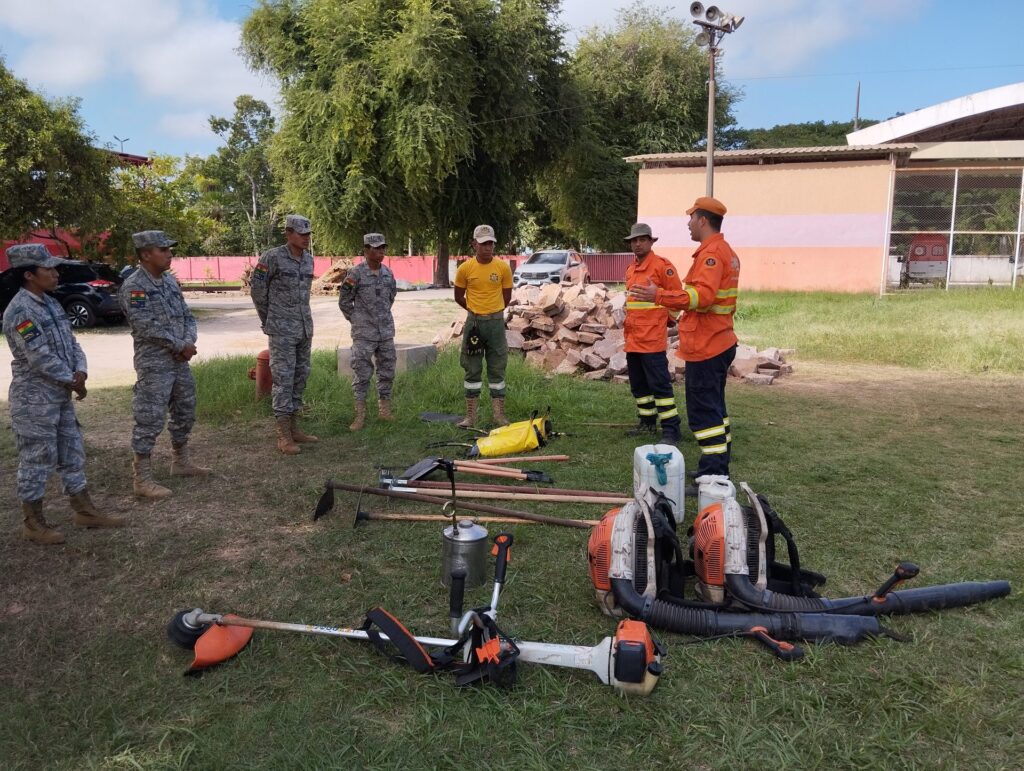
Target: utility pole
856, 110
715, 24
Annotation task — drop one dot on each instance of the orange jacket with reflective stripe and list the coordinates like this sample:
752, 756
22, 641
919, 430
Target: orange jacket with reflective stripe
708, 301
646, 324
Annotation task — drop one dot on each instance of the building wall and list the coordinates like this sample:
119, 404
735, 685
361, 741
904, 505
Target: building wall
802, 226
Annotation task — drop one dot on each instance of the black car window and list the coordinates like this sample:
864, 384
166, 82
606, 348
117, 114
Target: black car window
547, 258
106, 272
76, 274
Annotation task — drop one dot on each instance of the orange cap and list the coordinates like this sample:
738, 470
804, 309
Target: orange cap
712, 205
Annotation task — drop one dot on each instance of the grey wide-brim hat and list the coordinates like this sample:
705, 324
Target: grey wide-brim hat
147, 239
32, 256
638, 230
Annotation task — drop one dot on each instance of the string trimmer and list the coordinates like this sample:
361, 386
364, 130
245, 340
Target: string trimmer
630, 661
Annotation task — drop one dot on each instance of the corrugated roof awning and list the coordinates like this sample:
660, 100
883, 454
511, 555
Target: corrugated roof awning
901, 152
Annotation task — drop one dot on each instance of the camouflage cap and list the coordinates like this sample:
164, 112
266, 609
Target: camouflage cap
150, 238
298, 223
32, 255
483, 234
374, 239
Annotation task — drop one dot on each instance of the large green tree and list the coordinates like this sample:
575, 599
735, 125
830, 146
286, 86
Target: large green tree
810, 134
52, 179
235, 186
153, 196
412, 116
642, 88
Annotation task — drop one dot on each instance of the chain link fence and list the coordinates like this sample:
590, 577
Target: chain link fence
956, 227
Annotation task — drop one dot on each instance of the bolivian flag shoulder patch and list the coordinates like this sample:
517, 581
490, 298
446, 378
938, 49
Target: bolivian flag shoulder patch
137, 298
28, 330
259, 273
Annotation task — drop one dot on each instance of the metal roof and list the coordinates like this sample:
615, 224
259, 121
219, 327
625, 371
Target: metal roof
778, 155
994, 114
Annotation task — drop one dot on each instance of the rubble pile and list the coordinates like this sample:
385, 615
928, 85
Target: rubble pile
330, 282
571, 330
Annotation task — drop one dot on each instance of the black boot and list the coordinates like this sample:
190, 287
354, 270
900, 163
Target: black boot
644, 428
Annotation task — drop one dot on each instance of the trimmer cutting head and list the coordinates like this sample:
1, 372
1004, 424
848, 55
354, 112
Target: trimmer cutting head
211, 642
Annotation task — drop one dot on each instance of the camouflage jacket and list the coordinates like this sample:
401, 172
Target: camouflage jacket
45, 354
365, 298
161, 323
280, 292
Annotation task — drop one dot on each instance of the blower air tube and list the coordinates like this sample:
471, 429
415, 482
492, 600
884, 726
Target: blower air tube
897, 602
847, 629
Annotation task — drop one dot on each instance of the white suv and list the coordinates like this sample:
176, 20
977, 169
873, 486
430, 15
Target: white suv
552, 266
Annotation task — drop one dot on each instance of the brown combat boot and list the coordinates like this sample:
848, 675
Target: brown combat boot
36, 529
360, 419
87, 515
182, 465
299, 435
471, 406
498, 411
384, 410
285, 440
143, 484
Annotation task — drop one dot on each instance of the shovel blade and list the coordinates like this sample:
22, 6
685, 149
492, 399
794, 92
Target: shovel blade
219, 643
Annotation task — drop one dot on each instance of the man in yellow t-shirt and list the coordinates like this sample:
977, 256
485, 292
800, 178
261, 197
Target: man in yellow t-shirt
483, 286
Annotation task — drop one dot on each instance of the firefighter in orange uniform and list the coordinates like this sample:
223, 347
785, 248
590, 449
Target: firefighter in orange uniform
707, 342
646, 331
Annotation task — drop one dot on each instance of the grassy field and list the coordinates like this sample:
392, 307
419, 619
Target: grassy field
871, 456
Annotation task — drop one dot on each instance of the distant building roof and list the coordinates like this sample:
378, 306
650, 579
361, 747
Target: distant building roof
778, 155
995, 114
134, 160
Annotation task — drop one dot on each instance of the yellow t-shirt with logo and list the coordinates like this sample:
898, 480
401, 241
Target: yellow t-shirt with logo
483, 284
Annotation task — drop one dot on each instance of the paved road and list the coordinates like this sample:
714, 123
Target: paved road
228, 326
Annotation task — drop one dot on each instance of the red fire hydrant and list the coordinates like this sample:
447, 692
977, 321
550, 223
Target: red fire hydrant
261, 374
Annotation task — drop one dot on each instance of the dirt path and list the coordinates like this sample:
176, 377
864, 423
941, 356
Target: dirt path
228, 326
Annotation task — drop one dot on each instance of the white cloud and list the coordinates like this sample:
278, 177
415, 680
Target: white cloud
177, 51
786, 36
186, 125
777, 38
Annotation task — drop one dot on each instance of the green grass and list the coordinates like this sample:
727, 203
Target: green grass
866, 470
963, 330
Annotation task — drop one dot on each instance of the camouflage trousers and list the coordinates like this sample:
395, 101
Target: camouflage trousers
364, 352
170, 388
289, 368
48, 438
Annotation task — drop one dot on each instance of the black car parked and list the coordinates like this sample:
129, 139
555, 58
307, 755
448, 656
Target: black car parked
87, 290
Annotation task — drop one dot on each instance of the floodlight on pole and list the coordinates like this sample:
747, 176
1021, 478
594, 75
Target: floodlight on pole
715, 23
122, 141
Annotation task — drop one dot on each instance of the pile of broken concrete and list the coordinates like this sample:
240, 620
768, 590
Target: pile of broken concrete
330, 282
577, 329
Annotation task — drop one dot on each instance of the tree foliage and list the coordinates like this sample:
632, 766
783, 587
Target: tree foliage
411, 116
155, 196
235, 186
642, 88
51, 178
810, 134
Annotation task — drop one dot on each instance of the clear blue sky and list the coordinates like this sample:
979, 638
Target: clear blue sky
152, 71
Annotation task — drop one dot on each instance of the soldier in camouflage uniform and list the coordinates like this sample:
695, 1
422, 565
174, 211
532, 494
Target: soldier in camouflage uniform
47, 366
164, 335
280, 292
365, 298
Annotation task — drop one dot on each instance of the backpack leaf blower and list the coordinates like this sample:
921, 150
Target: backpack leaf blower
724, 578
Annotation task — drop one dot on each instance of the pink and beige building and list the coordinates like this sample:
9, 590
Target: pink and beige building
848, 218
